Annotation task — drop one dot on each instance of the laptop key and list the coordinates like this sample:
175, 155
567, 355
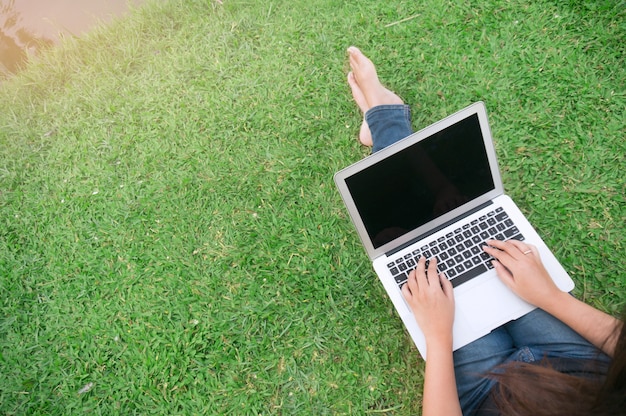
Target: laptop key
402, 277
468, 275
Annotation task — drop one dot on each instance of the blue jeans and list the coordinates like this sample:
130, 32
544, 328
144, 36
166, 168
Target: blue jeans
532, 337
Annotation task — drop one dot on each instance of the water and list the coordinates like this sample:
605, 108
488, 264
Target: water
28, 25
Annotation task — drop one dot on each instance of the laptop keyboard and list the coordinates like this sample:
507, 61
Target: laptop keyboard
459, 253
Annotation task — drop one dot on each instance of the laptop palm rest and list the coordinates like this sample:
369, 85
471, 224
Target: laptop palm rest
485, 303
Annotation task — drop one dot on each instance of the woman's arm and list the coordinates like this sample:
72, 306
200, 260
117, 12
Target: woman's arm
431, 299
525, 275
440, 394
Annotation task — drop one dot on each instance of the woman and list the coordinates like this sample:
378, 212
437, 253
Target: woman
565, 357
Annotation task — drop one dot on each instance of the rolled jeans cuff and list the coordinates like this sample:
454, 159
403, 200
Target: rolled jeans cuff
388, 124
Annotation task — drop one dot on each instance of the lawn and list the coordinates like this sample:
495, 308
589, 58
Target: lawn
171, 240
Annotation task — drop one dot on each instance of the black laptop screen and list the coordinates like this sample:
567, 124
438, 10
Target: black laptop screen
421, 182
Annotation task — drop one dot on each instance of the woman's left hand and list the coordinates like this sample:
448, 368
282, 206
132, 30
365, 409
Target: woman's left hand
431, 298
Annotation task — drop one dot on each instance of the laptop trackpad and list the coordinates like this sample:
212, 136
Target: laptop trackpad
490, 304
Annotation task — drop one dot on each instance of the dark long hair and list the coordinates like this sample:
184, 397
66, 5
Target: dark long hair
529, 389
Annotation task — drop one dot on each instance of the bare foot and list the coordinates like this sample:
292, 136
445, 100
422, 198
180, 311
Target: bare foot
367, 90
365, 135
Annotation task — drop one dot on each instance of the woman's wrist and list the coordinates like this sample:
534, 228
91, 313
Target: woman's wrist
441, 341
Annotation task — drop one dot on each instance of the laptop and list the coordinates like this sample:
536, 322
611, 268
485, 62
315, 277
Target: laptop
438, 193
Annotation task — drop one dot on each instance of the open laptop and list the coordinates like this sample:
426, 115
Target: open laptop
438, 193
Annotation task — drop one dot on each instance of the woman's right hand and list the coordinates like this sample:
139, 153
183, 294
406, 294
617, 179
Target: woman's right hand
519, 266
431, 299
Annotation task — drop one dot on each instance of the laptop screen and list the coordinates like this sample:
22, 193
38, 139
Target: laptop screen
421, 182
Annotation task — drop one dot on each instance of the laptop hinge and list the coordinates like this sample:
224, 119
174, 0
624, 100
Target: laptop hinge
441, 227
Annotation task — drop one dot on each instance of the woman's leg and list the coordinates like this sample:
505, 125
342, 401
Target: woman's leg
546, 336
476, 359
533, 337
388, 124
386, 118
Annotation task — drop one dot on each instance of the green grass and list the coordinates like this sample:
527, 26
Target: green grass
169, 228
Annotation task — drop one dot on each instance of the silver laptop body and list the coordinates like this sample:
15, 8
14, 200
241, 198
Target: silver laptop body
420, 197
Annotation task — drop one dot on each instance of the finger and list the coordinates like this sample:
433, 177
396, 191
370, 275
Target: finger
523, 247
526, 249
497, 252
420, 274
446, 285
406, 291
411, 283
503, 273
432, 270
505, 246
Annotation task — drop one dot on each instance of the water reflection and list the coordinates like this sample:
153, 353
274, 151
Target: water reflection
27, 26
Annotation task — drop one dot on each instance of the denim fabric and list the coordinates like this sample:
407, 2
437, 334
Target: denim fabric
388, 124
530, 338
533, 337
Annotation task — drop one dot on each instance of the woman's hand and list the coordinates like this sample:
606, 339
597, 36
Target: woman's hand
520, 268
431, 298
